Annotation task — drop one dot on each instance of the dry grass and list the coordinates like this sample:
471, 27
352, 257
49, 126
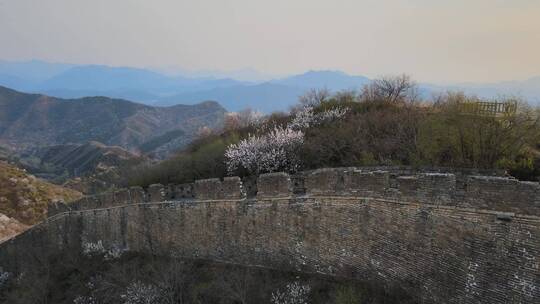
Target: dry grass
25, 198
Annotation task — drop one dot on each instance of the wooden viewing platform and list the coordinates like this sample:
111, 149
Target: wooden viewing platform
486, 108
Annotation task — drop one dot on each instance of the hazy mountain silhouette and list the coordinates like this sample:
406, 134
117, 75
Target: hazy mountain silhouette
332, 80
274, 95
266, 97
155, 88
34, 70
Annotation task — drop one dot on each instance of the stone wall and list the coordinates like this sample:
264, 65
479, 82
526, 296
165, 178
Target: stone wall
495, 193
444, 237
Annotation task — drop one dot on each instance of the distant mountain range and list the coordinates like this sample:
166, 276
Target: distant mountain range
30, 120
155, 88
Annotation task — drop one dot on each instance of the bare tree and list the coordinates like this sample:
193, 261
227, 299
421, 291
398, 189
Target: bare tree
391, 89
245, 118
314, 97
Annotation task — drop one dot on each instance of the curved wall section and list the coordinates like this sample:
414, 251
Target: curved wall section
415, 232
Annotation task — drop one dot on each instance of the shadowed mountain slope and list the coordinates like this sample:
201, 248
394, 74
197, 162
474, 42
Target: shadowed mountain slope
82, 159
28, 120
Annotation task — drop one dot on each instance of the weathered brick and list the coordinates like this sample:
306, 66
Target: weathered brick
274, 185
156, 193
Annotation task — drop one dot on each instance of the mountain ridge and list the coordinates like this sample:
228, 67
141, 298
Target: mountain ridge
154, 87
40, 120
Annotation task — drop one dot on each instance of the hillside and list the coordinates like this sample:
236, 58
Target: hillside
82, 159
25, 198
10, 227
88, 168
30, 120
388, 124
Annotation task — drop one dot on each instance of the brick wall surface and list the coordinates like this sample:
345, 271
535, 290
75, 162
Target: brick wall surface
446, 238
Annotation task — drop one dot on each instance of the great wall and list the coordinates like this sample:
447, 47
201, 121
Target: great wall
444, 237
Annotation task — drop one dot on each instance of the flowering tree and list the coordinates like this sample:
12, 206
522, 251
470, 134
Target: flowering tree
306, 117
276, 150
271, 152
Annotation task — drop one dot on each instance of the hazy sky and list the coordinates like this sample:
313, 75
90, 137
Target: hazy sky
433, 40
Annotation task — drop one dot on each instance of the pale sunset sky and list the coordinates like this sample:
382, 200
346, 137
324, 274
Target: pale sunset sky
432, 40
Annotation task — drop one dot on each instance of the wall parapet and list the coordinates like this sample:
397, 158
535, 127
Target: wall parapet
446, 237
504, 194
274, 185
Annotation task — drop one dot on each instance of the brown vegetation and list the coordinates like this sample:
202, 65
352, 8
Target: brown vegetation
387, 123
25, 198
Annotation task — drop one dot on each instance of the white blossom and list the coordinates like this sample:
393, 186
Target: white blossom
271, 152
306, 118
303, 119
294, 293
140, 293
90, 248
114, 253
98, 248
4, 277
332, 114
84, 300
276, 150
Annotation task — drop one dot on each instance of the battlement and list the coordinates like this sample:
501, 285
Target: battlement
448, 237
494, 193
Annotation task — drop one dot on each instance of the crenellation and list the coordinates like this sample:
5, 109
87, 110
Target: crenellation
366, 184
170, 193
207, 188
122, 197
183, 191
322, 181
156, 193
436, 188
479, 192
298, 183
503, 194
407, 186
249, 184
90, 202
448, 237
137, 195
231, 188
274, 185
